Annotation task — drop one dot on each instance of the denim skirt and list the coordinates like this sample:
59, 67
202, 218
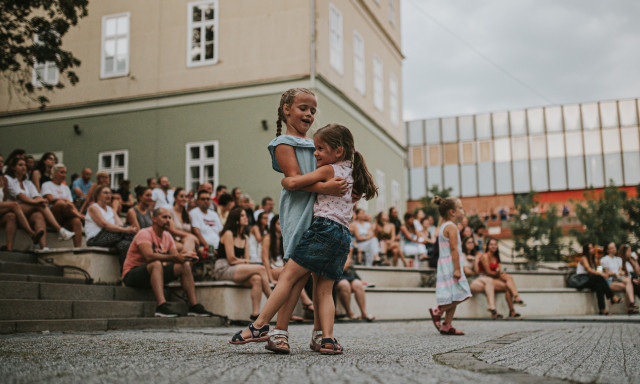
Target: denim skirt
324, 248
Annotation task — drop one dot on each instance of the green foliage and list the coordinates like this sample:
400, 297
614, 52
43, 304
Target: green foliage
632, 209
536, 236
475, 221
21, 21
603, 218
431, 209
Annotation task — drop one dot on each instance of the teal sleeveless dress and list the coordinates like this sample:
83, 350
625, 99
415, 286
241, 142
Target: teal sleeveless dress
296, 207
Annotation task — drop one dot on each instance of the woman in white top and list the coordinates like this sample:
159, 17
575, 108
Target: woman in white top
11, 215
597, 280
412, 240
617, 276
365, 238
630, 268
103, 227
34, 206
258, 231
180, 226
61, 204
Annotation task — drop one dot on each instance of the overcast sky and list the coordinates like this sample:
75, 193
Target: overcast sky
564, 51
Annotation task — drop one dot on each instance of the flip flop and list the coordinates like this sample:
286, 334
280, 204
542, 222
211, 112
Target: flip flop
435, 317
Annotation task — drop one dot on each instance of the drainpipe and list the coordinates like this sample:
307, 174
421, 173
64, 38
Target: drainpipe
312, 55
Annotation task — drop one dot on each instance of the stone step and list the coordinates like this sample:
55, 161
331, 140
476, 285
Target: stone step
100, 263
54, 291
40, 278
101, 325
18, 257
29, 269
23, 242
393, 277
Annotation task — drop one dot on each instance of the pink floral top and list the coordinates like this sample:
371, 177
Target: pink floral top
337, 208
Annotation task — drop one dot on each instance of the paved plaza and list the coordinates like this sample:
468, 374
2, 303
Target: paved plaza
382, 352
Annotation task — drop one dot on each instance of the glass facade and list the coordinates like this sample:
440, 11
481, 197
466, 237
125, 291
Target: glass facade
542, 149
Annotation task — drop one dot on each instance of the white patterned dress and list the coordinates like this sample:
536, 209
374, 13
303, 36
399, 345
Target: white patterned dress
448, 289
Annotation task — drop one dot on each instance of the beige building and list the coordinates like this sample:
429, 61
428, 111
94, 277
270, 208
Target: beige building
190, 89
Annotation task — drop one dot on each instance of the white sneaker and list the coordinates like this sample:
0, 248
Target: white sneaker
65, 234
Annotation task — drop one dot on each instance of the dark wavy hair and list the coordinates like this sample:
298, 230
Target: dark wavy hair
275, 244
233, 223
486, 248
591, 259
184, 215
464, 246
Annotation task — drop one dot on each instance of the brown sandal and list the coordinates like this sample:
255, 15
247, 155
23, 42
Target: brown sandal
451, 332
330, 347
495, 314
436, 316
278, 342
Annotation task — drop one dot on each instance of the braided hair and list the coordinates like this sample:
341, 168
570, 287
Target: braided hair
287, 98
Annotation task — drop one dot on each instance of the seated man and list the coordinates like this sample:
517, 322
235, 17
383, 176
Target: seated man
163, 194
153, 260
205, 222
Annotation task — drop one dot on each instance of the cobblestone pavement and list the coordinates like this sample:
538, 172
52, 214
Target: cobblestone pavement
384, 352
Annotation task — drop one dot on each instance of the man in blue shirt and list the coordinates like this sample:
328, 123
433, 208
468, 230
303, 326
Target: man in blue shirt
80, 187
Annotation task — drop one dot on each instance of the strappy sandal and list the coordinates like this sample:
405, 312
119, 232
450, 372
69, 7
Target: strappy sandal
616, 300
316, 339
632, 311
495, 314
308, 307
436, 316
514, 315
368, 318
330, 347
278, 342
451, 332
519, 302
256, 335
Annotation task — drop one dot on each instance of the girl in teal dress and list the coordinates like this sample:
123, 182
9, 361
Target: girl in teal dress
292, 155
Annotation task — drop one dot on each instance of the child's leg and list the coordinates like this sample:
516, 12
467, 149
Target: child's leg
286, 310
326, 307
448, 316
291, 274
316, 303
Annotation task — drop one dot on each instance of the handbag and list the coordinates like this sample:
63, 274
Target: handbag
578, 281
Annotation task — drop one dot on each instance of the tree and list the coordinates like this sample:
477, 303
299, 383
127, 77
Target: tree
632, 209
428, 207
603, 217
31, 31
537, 236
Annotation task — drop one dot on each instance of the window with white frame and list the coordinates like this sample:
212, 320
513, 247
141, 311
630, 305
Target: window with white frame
393, 100
395, 193
115, 45
116, 164
382, 196
358, 63
378, 86
44, 73
335, 39
392, 11
202, 44
202, 164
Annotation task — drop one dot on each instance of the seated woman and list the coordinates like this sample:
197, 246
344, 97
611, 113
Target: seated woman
180, 226
139, 216
503, 282
11, 215
478, 283
125, 195
617, 277
257, 233
596, 280
366, 241
350, 283
272, 251
233, 260
103, 227
102, 178
42, 171
386, 234
413, 241
632, 267
33, 205
61, 204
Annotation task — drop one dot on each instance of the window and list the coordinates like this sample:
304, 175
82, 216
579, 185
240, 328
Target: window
417, 183
555, 145
116, 164
392, 11
628, 115
609, 114
393, 100
500, 124
395, 193
202, 164
468, 153
358, 63
202, 37
417, 157
44, 73
451, 154
571, 117
115, 45
465, 125
535, 117
518, 123
380, 182
434, 155
378, 86
538, 148
483, 126
415, 132
433, 131
554, 119
590, 116
335, 39
449, 130
485, 151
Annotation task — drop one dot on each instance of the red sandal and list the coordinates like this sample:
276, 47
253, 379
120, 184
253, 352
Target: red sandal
452, 332
436, 316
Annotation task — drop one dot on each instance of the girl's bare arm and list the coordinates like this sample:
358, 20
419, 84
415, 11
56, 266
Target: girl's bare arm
286, 158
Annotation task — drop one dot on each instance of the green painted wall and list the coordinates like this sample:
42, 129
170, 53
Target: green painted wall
156, 141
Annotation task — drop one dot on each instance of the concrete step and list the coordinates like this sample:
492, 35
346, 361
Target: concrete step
40, 278
101, 325
18, 257
29, 269
31, 309
100, 263
23, 242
